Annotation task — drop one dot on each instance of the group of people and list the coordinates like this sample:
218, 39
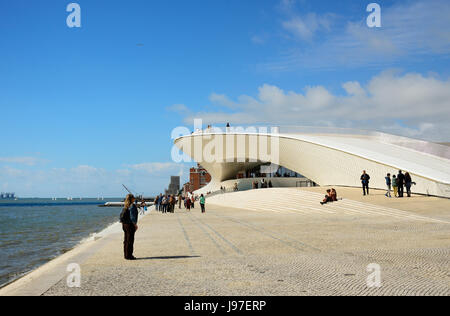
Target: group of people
165, 203
398, 183
263, 185
211, 129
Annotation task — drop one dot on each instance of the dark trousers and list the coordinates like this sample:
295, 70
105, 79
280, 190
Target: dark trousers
400, 190
365, 188
408, 189
128, 243
203, 208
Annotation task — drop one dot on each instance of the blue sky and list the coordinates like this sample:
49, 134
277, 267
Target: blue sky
85, 109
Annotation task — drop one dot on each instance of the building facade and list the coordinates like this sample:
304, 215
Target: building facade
326, 157
198, 178
174, 186
7, 196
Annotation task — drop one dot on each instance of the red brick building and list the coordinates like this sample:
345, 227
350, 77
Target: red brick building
198, 178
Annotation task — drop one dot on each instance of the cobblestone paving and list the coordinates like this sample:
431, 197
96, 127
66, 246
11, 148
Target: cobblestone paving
230, 251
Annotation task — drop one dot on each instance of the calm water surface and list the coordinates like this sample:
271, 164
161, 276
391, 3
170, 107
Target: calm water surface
34, 231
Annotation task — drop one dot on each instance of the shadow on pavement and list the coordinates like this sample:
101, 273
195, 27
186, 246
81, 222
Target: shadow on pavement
168, 258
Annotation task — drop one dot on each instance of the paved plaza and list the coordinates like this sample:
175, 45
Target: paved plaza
276, 242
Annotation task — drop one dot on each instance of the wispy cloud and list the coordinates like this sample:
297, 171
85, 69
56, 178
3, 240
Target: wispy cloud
306, 27
29, 161
156, 167
412, 30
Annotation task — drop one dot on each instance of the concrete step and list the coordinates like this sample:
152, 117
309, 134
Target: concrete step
300, 202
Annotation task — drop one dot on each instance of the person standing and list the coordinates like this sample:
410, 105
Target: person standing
388, 185
365, 182
400, 183
129, 219
408, 183
395, 185
202, 203
180, 200
193, 201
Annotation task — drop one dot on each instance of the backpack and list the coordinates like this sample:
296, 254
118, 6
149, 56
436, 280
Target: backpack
125, 217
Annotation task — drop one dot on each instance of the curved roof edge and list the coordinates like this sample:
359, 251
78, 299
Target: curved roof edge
377, 147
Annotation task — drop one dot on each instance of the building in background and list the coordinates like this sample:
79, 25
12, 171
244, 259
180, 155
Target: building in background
198, 178
174, 186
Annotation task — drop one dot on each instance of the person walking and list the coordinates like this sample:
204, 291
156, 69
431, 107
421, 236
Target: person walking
171, 203
164, 204
143, 208
365, 182
408, 183
188, 204
388, 185
129, 219
174, 202
159, 205
180, 200
395, 185
202, 203
400, 183
156, 202
193, 201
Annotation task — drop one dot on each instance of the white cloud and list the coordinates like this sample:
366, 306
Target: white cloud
287, 5
421, 103
178, 108
306, 27
258, 39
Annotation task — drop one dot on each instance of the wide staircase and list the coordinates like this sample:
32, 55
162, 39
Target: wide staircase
296, 201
